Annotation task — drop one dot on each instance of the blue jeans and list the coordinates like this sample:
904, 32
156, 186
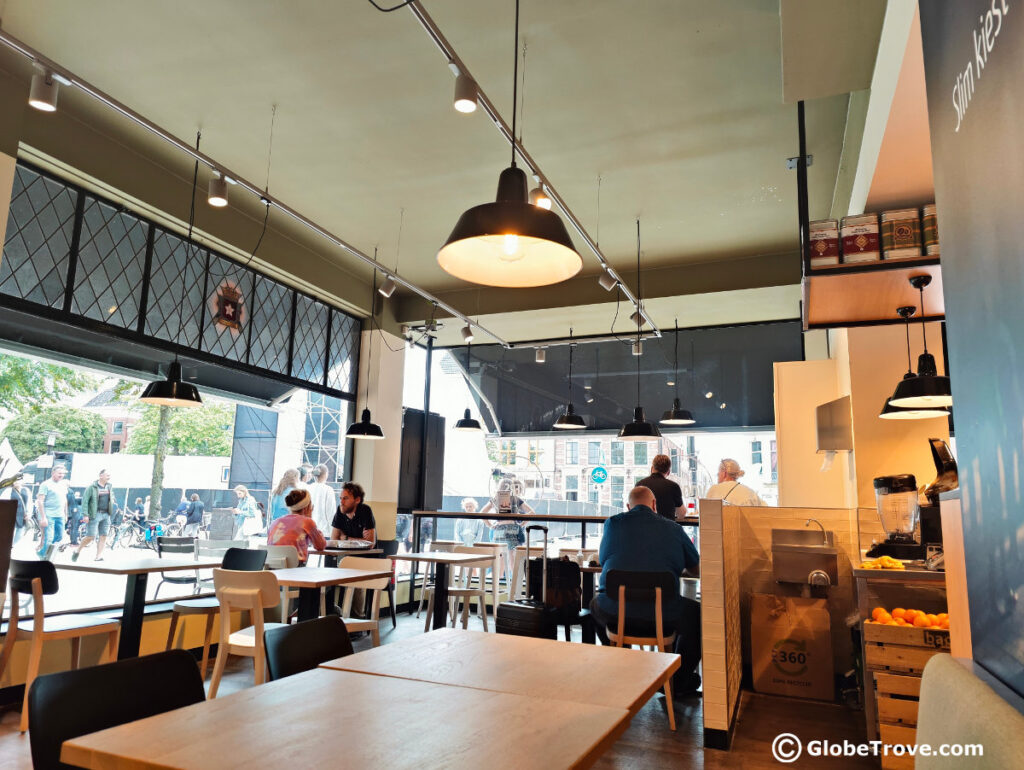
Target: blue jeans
76, 524
54, 533
239, 521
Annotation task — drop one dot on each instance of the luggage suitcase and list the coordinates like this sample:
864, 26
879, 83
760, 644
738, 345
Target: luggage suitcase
530, 616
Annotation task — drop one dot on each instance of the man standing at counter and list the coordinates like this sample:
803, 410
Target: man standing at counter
667, 493
641, 541
354, 519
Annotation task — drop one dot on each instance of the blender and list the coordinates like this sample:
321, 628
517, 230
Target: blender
899, 512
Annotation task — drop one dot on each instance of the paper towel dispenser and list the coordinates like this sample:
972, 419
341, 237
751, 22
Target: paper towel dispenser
835, 426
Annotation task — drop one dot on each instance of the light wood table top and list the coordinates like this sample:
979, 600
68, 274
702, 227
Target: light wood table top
139, 566
538, 668
320, 577
443, 556
347, 551
322, 718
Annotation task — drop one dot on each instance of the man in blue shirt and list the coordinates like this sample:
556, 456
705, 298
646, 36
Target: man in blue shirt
642, 541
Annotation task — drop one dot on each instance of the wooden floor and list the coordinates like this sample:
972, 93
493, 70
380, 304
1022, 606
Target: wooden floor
647, 743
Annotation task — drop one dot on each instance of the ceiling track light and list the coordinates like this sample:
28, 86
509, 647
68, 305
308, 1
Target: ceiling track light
388, 287
540, 198
217, 193
540, 356
638, 347
637, 318
607, 282
510, 243
467, 333
465, 94
42, 94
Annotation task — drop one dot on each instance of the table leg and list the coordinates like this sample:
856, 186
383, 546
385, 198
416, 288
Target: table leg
440, 595
309, 604
132, 616
583, 535
589, 637
331, 592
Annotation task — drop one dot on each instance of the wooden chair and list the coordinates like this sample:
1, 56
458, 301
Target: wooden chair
234, 559
39, 578
187, 545
248, 591
208, 548
643, 587
372, 624
286, 557
499, 559
462, 588
517, 580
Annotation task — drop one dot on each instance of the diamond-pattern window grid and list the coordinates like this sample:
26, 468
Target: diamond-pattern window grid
217, 339
344, 361
175, 290
271, 319
37, 245
310, 339
111, 265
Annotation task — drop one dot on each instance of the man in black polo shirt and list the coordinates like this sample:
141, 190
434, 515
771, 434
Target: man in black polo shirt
354, 519
667, 493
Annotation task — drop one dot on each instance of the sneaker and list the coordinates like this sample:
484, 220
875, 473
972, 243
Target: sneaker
686, 687
74, 556
98, 558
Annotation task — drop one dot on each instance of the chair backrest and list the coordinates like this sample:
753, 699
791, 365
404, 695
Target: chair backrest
465, 572
22, 573
78, 702
246, 590
219, 547
175, 545
365, 562
442, 546
640, 586
281, 556
304, 646
390, 547
244, 559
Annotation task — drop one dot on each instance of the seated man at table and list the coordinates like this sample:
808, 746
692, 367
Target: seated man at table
354, 519
297, 526
642, 541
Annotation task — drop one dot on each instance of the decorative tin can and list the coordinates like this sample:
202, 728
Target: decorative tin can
930, 230
860, 239
901, 234
824, 235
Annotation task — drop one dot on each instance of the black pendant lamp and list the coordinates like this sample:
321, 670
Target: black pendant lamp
511, 242
890, 412
677, 415
467, 424
366, 428
570, 420
639, 429
927, 389
172, 391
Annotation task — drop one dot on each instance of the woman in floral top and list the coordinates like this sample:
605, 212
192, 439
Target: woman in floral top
297, 527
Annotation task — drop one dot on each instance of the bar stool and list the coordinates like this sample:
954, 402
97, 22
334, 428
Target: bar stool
443, 546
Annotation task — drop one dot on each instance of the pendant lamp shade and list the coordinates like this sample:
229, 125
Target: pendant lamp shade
172, 391
365, 428
890, 412
926, 389
510, 242
570, 420
467, 424
677, 415
639, 429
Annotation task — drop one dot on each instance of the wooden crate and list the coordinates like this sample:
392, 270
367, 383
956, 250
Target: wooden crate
891, 735
904, 649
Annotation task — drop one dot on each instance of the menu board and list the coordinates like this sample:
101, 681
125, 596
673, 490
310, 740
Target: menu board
974, 67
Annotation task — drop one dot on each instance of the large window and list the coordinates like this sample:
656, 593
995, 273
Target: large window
572, 453
594, 493
618, 453
572, 488
594, 453
534, 451
118, 428
674, 456
618, 490
507, 453
755, 452
640, 453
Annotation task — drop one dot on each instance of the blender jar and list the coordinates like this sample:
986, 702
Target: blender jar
898, 508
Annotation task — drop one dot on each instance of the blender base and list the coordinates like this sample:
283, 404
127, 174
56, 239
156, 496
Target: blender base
902, 551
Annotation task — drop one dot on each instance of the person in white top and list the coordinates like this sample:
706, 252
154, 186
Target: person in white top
729, 489
325, 501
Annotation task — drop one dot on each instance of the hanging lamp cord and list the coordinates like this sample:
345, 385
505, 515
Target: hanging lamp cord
924, 336
675, 379
639, 316
910, 367
515, 84
373, 326
572, 345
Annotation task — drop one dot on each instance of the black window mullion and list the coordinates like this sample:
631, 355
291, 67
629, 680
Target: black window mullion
327, 348
76, 235
202, 303
291, 331
144, 299
252, 318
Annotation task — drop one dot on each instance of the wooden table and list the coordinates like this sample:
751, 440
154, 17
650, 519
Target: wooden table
137, 572
325, 718
310, 581
441, 560
538, 668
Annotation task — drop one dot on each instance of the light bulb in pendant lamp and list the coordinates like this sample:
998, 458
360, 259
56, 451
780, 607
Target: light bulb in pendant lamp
467, 424
890, 412
172, 391
365, 428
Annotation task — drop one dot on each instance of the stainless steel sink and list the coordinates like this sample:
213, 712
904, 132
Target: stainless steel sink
806, 556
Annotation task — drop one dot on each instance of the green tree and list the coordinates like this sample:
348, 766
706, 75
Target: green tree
77, 431
25, 383
206, 430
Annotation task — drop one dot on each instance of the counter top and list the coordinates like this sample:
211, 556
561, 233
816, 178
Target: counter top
900, 575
